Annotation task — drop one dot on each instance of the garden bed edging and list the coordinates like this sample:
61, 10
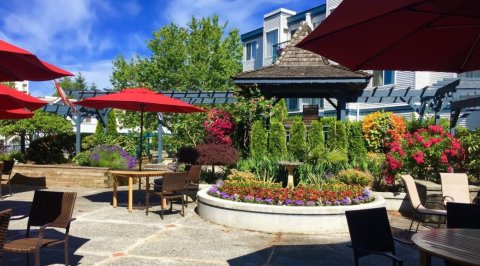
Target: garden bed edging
278, 219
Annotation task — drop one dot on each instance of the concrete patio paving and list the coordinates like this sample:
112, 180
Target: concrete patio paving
102, 235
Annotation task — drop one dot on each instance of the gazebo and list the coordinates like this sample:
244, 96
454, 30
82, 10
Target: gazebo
300, 73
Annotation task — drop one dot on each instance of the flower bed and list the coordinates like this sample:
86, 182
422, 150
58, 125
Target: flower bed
334, 194
279, 218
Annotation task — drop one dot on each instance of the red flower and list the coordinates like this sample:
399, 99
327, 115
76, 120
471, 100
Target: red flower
418, 157
444, 158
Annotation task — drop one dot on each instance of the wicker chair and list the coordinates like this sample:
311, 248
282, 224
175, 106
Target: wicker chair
173, 187
193, 181
371, 234
7, 170
417, 205
4, 221
49, 210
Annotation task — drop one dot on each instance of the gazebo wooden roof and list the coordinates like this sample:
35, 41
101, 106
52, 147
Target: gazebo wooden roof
301, 73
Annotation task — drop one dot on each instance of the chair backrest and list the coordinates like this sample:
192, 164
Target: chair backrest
463, 215
370, 229
52, 207
8, 166
455, 187
194, 173
411, 190
175, 181
4, 221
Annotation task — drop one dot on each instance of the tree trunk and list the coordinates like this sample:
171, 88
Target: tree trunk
22, 143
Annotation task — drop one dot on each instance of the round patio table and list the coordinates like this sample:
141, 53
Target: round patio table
454, 244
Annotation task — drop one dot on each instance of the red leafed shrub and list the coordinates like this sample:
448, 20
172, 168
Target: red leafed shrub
187, 155
217, 154
218, 126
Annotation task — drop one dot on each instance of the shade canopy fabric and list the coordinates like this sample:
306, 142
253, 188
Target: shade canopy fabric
138, 99
15, 114
17, 64
13, 99
412, 35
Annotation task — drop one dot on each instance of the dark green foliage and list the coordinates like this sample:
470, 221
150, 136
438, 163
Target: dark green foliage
187, 155
316, 137
52, 149
277, 140
471, 143
341, 136
280, 111
297, 145
357, 152
331, 142
258, 143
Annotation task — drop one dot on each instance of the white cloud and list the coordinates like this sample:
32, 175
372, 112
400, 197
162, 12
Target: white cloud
240, 14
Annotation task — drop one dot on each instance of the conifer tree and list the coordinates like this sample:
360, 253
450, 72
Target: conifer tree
277, 140
297, 144
258, 140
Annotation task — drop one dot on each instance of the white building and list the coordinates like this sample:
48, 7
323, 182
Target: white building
22, 86
262, 46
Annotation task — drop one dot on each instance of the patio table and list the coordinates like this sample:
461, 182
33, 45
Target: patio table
130, 175
454, 244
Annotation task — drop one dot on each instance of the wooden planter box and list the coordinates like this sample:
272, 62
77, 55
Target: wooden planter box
60, 176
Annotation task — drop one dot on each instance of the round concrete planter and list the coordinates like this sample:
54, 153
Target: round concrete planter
395, 201
275, 219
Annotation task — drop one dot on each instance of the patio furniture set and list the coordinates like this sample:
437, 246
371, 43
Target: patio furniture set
459, 243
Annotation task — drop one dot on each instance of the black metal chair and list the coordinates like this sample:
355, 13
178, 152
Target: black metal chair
463, 215
371, 234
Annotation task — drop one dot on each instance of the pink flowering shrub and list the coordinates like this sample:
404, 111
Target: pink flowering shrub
424, 154
218, 126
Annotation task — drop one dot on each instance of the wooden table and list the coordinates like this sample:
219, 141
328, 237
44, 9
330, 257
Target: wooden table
456, 245
130, 175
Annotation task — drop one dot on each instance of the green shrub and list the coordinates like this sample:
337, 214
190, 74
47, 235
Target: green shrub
111, 156
297, 146
357, 151
355, 177
331, 142
341, 136
258, 140
277, 140
280, 111
53, 149
82, 158
316, 137
265, 168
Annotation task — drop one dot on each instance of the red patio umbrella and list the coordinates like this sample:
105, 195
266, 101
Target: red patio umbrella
415, 35
17, 64
15, 114
13, 99
139, 99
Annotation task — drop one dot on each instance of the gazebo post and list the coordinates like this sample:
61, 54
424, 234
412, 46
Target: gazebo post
341, 108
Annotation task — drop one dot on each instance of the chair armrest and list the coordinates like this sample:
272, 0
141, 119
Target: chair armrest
447, 199
41, 231
386, 254
436, 203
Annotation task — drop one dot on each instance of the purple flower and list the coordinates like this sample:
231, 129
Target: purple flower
336, 202
220, 183
269, 201
299, 202
367, 192
311, 203
248, 198
328, 203
213, 190
224, 195
259, 200
356, 200
346, 201
288, 201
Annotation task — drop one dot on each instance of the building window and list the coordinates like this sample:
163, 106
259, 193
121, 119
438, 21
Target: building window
272, 39
383, 77
251, 48
470, 74
293, 104
313, 101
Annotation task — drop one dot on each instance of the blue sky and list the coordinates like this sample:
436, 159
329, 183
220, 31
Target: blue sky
85, 35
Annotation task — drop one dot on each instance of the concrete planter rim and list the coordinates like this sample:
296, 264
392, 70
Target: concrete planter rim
206, 199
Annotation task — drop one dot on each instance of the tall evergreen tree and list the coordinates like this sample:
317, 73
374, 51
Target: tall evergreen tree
277, 140
316, 138
280, 110
297, 146
258, 143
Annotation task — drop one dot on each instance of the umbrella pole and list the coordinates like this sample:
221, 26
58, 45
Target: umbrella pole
141, 140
